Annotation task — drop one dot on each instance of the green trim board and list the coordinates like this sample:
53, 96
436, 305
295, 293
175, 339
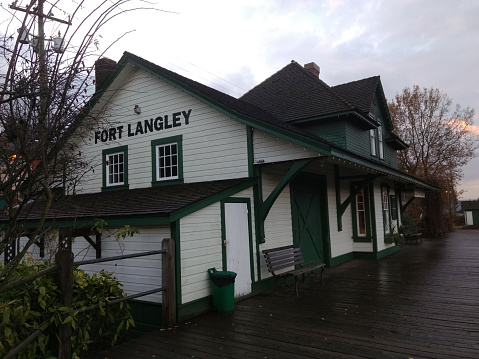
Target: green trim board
249, 144
265, 207
178, 140
374, 228
104, 154
363, 255
367, 122
349, 158
194, 308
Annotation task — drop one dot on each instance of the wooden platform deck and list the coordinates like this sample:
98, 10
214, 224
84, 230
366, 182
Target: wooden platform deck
422, 302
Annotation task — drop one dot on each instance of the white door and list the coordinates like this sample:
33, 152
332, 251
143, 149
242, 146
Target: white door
238, 246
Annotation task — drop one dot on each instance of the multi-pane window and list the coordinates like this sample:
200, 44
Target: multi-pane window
372, 136
380, 141
361, 214
385, 205
167, 161
115, 169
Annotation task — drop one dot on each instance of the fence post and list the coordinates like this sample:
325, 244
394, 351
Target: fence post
64, 258
168, 305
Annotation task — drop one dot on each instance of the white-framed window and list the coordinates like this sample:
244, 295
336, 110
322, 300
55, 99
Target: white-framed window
380, 142
360, 214
115, 168
167, 160
385, 207
372, 137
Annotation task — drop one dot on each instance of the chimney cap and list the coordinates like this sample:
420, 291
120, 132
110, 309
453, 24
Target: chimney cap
313, 68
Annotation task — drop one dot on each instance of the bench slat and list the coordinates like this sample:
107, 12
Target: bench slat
287, 257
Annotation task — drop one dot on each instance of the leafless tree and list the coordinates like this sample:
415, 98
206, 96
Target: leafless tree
441, 141
44, 91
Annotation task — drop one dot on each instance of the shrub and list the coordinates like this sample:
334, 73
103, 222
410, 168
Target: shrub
27, 307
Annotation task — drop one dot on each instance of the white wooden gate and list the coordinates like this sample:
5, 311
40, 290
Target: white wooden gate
238, 246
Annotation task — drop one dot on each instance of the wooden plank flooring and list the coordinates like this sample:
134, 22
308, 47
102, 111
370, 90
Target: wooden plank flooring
422, 302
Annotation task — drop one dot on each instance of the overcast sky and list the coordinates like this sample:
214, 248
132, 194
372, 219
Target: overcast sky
234, 45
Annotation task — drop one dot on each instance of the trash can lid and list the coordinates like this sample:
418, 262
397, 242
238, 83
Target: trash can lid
217, 274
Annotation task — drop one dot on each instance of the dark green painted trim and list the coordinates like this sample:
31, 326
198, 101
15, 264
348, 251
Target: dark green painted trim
403, 207
258, 200
162, 141
337, 187
388, 251
249, 144
194, 308
376, 255
325, 216
381, 168
223, 237
374, 228
259, 225
287, 178
371, 124
212, 199
263, 285
106, 152
388, 239
341, 259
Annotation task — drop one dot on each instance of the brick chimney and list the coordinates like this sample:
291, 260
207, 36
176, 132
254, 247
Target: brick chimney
313, 68
103, 68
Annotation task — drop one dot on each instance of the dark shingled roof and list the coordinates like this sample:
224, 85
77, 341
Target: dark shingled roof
293, 93
360, 93
246, 108
469, 205
158, 201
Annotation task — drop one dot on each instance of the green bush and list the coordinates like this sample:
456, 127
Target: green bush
27, 307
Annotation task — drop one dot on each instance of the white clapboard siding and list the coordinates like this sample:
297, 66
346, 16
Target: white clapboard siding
269, 149
136, 274
278, 224
201, 249
214, 145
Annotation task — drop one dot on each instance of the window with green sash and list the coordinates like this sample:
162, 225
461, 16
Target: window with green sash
361, 215
115, 168
167, 160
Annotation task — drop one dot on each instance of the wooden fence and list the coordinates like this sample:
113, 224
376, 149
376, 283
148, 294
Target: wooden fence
64, 264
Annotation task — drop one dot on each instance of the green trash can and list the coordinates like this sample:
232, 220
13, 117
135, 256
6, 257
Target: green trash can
223, 290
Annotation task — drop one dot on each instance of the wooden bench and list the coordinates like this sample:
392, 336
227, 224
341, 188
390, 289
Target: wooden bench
287, 257
410, 234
